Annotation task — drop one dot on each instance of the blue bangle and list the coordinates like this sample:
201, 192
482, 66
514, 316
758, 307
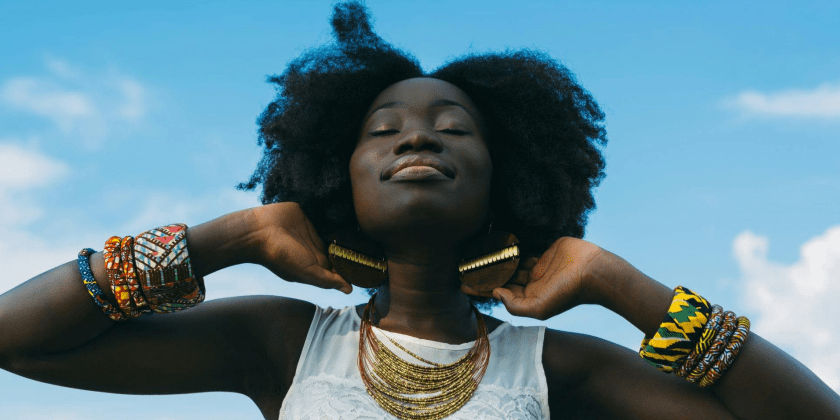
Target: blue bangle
93, 288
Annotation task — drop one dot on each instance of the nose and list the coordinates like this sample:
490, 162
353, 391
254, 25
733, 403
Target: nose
418, 140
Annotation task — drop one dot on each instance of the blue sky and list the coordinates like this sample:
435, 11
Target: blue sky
723, 167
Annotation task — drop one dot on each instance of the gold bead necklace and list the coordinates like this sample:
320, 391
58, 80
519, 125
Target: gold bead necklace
412, 391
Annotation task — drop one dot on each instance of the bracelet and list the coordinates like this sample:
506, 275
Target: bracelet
711, 355
681, 329
127, 259
712, 328
93, 288
164, 271
728, 356
113, 268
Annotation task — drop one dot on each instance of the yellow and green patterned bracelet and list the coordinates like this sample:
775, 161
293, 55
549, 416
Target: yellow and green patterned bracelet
679, 332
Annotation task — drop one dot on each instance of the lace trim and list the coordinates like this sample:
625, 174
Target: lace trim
326, 397
428, 343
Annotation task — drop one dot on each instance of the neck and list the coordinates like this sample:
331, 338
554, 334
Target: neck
422, 297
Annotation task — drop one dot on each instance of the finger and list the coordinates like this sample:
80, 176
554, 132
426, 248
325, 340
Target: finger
542, 264
521, 278
320, 248
470, 291
511, 296
528, 264
517, 303
326, 279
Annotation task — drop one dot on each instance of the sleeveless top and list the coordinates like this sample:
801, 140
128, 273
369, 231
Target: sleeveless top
327, 384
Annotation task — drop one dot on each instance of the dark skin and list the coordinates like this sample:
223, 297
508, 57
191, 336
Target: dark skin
51, 328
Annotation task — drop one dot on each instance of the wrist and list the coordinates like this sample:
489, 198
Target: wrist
225, 241
628, 292
604, 280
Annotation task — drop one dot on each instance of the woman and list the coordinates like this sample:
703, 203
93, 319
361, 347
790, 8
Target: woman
437, 162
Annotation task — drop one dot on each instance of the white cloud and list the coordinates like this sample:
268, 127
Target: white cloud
90, 107
61, 68
795, 306
133, 106
22, 167
46, 98
820, 102
23, 171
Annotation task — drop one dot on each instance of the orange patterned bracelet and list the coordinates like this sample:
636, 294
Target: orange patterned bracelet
130, 276
113, 269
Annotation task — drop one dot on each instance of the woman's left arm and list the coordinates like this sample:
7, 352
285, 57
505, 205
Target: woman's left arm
762, 383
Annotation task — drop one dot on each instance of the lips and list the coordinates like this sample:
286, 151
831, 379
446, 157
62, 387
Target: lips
416, 160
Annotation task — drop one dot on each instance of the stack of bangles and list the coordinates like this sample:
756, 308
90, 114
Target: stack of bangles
149, 273
696, 340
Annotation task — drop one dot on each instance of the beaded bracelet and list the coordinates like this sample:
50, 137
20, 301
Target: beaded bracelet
113, 268
164, 271
711, 355
709, 333
729, 353
93, 288
679, 332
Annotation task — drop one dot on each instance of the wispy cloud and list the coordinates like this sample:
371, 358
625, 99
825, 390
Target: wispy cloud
794, 305
24, 173
21, 170
821, 102
25, 167
78, 104
61, 68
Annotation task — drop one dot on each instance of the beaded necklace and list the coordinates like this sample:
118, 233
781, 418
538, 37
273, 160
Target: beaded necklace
412, 391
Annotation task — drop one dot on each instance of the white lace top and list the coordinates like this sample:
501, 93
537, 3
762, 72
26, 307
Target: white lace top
327, 384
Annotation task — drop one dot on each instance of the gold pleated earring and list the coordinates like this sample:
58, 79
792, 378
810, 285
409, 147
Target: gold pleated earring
490, 261
357, 258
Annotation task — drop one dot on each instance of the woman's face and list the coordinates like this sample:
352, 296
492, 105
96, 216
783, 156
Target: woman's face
421, 168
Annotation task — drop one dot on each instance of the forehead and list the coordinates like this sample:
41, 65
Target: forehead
422, 92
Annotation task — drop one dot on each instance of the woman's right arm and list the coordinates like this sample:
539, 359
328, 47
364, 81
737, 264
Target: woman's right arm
52, 331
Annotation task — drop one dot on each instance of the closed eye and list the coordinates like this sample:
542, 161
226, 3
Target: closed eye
454, 131
379, 133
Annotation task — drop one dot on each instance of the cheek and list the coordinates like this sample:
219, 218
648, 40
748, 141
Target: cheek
480, 167
363, 176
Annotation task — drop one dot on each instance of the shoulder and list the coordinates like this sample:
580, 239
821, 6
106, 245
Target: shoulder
569, 358
279, 326
595, 378
276, 328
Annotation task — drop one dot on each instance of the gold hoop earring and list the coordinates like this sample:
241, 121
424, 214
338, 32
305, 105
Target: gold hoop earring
490, 261
357, 258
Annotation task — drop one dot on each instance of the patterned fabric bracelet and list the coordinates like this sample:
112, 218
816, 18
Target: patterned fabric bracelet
712, 354
93, 288
679, 332
729, 353
164, 271
709, 333
113, 268
127, 260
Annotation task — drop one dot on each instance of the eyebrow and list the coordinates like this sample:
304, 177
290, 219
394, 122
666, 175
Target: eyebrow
435, 103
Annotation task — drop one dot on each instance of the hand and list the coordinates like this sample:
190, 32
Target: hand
554, 283
292, 249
